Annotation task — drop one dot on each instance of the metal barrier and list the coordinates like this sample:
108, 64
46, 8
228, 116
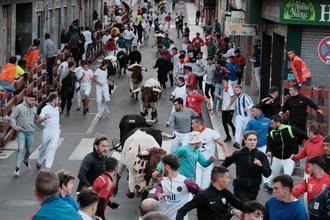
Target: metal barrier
35, 82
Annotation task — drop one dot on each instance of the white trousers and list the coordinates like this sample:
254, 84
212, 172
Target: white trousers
240, 124
263, 150
203, 175
232, 83
277, 165
50, 138
102, 92
181, 139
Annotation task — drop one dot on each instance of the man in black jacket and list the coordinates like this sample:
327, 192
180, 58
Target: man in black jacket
270, 105
297, 105
251, 164
282, 142
134, 56
215, 201
92, 165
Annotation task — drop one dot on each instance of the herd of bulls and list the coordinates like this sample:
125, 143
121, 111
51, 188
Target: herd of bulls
141, 144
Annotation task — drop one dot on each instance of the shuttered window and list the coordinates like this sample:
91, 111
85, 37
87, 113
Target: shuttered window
311, 38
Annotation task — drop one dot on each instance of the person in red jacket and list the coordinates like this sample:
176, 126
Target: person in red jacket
240, 60
197, 42
192, 80
312, 147
314, 184
194, 100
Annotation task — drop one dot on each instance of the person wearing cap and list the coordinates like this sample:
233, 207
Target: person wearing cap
314, 146
317, 181
188, 156
92, 165
239, 60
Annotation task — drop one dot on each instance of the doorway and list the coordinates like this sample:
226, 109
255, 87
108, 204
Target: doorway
277, 60
266, 52
24, 24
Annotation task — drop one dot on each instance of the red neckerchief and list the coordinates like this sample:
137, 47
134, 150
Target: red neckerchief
202, 129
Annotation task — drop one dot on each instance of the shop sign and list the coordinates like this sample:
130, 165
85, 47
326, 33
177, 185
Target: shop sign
57, 4
39, 6
235, 25
309, 12
324, 50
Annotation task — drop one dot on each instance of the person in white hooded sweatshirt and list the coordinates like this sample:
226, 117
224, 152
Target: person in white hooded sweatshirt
50, 132
102, 88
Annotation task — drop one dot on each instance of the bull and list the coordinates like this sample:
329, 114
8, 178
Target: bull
149, 97
136, 77
141, 154
122, 57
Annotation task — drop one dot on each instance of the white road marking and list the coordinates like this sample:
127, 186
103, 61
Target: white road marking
35, 153
96, 118
4, 154
84, 147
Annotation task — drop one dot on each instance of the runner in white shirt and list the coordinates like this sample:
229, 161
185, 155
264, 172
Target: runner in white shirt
102, 88
50, 132
210, 139
174, 190
85, 76
88, 43
180, 90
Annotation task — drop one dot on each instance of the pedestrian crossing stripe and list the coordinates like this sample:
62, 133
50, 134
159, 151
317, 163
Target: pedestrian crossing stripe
84, 147
35, 153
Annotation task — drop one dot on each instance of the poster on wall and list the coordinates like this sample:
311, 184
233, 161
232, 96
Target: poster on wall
235, 25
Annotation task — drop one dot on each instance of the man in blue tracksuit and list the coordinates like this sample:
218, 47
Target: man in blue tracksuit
261, 125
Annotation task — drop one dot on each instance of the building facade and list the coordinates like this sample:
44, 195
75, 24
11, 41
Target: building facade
31, 19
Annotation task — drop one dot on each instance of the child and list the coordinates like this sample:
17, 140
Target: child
103, 186
66, 185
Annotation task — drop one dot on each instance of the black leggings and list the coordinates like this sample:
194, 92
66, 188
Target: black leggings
199, 80
227, 117
66, 98
209, 87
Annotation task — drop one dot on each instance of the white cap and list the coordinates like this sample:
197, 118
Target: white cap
195, 137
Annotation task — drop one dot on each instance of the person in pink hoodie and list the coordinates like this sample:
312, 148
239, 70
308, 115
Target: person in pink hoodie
312, 147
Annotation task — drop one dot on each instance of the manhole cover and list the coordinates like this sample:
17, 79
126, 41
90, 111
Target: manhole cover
20, 202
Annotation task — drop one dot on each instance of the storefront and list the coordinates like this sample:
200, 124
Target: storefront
311, 21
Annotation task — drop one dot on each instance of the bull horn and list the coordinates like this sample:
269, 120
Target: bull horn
136, 90
156, 90
167, 135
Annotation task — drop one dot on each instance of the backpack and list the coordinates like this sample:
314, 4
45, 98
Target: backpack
319, 207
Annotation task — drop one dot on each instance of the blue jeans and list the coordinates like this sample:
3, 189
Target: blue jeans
218, 91
7, 86
24, 141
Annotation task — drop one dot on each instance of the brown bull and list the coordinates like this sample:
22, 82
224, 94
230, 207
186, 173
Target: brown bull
149, 100
136, 77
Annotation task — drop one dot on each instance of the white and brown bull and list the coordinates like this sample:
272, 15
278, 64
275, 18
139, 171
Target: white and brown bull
136, 77
149, 96
141, 154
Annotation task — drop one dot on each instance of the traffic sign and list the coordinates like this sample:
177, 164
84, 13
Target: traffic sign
324, 50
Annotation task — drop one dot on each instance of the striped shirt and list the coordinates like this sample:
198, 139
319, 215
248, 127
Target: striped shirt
243, 101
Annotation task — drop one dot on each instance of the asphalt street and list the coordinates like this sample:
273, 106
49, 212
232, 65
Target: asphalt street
16, 195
